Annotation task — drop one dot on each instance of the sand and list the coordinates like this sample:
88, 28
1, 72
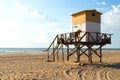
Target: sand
33, 66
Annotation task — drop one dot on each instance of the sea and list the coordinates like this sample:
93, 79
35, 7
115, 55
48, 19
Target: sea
41, 50
22, 50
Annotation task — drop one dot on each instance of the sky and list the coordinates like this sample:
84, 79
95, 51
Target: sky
35, 23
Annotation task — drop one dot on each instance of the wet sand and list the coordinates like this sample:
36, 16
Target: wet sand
34, 67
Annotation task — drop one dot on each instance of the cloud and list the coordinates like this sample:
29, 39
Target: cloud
19, 34
19, 31
111, 18
100, 9
30, 11
59, 27
9, 32
101, 3
53, 24
111, 24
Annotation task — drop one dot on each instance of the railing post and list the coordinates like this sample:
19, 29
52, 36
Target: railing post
57, 39
110, 38
75, 37
65, 38
96, 37
88, 36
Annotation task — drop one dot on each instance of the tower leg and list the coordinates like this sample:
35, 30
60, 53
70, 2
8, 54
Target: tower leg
89, 55
58, 55
62, 54
53, 53
78, 54
100, 54
48, 56
67, 52
53, 56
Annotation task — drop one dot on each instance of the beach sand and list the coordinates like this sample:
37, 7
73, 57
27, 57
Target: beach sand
33, 66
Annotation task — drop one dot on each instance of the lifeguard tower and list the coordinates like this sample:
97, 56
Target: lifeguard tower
86, 32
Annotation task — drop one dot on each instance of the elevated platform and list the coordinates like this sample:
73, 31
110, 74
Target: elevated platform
84, 38
79, 40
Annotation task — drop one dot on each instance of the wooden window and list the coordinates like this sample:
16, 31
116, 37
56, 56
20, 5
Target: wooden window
93, 14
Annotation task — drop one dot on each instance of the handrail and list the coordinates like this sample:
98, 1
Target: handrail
52, 43
87, 32
98, 36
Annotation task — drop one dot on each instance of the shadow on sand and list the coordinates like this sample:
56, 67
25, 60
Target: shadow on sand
114, 65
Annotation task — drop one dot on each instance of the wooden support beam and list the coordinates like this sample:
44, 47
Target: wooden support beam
57, 54
67, 52
95, 51
62, 53
82, 37
56, 38
97, 35
89, 54
48, 56
53, 53
78, 53
72, 51
83, 52
100, 54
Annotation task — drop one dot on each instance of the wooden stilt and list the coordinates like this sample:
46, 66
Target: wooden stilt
89, 54
48, 56
78, 54
53, 53
58, 54
83, 52
62, 54
67, 52
100, 54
